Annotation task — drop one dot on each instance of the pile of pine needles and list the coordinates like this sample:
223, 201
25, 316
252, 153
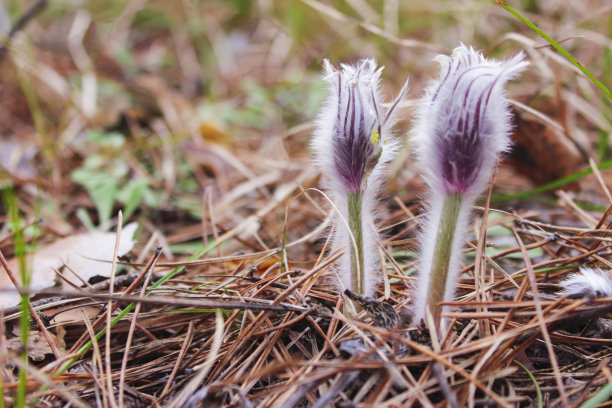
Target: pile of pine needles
253, 317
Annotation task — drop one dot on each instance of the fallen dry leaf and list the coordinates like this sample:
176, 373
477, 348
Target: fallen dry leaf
38, 348
542, 154
72, 316
82, 254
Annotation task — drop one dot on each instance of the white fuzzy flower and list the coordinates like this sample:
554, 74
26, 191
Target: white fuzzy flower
462, 127
464, 122
353, 143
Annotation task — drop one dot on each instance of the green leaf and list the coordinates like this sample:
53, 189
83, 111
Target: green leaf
186, 248
102, 189
152, 198
550, 186
492, 251
108, 140
131, 196
85, 219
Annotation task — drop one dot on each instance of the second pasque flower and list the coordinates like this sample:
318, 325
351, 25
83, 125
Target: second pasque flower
462, 127
352, 145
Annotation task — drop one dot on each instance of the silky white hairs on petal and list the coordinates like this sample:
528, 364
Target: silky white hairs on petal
463, 122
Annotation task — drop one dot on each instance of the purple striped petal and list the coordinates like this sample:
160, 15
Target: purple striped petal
464, 122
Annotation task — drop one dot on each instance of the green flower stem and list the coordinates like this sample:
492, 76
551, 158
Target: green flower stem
355, 201
442, 253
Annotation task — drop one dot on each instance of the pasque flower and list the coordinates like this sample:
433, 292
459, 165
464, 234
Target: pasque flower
462, 127
353, 143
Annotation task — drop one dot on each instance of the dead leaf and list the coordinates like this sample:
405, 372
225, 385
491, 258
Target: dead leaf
73, 316
82, 254
541, 153
38, 348
214, 131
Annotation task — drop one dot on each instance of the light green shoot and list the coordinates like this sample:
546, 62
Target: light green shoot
600, 397
535, 383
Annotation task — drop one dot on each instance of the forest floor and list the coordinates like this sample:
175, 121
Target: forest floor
194, 120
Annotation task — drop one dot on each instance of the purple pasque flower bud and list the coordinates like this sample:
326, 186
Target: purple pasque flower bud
464, 122
462, 127
353, 143
353, 133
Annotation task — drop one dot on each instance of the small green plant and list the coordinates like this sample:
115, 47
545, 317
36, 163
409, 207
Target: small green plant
534, 381
105, 176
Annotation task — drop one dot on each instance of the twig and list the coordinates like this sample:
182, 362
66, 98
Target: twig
216, 302
96, 358
179, 360
544, 329
109, 317
126, 353
197, 379
52, 301
32, 12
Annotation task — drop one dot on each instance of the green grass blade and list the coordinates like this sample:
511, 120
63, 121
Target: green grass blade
535, 383
550, 186
558, 47
1, 392
601, 396
21, 250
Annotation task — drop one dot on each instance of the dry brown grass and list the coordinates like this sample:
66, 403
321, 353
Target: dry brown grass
216, 119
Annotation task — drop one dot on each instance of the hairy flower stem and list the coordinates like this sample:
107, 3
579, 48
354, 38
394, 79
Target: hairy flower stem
443, 253
355, 202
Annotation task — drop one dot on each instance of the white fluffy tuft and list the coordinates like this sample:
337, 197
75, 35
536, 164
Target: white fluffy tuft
588, 283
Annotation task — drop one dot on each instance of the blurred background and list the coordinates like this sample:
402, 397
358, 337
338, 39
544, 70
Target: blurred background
172, 110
